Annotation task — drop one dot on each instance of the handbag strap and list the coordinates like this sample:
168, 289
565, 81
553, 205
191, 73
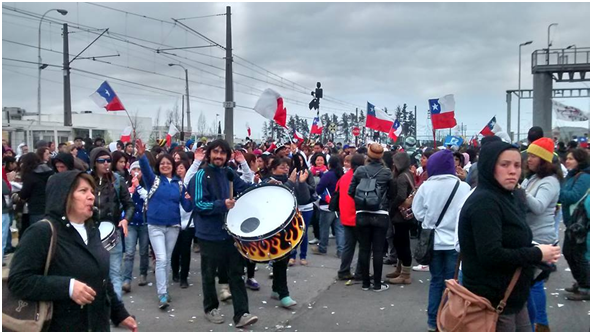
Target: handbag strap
410, 181
502, 304
447, 204
52, 247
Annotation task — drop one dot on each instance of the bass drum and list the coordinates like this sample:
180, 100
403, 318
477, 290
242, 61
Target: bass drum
265, 223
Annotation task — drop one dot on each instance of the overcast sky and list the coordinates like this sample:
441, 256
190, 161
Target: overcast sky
385, 53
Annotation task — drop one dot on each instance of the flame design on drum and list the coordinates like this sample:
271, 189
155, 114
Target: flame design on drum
277, 246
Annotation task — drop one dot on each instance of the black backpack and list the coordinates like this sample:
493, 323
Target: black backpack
578, 229
368, 195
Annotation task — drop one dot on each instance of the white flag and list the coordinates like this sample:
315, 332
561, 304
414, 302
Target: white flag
567, 113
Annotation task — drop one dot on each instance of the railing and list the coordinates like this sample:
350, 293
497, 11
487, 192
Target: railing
571, 56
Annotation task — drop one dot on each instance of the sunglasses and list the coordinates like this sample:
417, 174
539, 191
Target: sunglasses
102, 161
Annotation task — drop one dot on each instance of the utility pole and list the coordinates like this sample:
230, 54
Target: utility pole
182, 136
415, 120
67, 97
188, 108
229, 103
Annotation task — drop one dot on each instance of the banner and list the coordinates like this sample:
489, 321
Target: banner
453, 141
570, 114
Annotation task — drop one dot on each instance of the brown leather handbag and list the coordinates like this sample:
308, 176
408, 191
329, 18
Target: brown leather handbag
20, 315
463, 311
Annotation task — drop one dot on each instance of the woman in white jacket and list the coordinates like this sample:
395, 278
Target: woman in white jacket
427, 207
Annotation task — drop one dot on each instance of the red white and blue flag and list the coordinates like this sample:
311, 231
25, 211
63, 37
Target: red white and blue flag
442, 112
298, 136
271, 106
395, 130
326, 196
106, 98
377, 119
126, 135
316, 129
491, 128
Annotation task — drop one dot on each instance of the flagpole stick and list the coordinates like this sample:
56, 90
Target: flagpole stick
434, 132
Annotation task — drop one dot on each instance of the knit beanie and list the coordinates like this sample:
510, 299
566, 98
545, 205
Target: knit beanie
542, 148
135, 164
189, 143
441, 163
375, 151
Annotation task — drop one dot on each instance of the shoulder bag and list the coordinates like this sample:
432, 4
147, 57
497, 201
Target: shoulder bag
27, 315
405, 207
425, 246
461, 310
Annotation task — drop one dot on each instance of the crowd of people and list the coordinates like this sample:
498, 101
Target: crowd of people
493, 208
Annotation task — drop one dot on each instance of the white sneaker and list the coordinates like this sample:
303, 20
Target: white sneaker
420, 267
313, 241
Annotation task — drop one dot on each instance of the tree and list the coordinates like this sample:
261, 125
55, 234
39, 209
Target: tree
325, 121
265, 130
345, 127
412, 124
362, 123
201, 125
154, 134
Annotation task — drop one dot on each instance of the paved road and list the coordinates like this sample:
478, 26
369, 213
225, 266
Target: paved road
325, 304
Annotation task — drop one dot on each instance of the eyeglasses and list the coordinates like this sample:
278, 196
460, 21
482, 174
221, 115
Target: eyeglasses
102, 161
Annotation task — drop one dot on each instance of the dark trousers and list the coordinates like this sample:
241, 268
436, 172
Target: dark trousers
390, 251
315, 223
182, 253
212, 253
250, 268
371, 231
403, 242
349, 249
280, 277
575, 255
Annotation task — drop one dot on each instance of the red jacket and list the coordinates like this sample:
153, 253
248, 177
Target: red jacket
347, 207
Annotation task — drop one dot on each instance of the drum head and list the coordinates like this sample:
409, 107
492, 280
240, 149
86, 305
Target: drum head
260, 211
106, 229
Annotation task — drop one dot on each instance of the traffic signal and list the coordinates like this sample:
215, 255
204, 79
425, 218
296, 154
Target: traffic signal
314, 104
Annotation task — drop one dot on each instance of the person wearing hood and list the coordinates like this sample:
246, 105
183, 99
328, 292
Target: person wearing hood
372, 224
114, 204
574, 189
34, 174
78, 281
497, 243
21, 150
404, 184
189, 145
428, 205
62, 162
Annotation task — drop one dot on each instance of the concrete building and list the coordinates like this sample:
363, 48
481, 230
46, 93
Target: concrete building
19, 127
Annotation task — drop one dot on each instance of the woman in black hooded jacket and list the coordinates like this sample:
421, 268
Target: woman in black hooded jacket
78, 281
495, 239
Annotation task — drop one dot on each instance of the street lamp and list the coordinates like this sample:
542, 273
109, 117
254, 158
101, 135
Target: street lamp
575, 51
519, 83
40, 66
549, 39
188, 108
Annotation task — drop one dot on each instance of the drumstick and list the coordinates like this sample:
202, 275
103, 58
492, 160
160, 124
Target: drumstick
230, 176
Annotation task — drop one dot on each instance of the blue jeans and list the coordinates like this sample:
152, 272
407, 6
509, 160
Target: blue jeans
307, 217
115, 266
441, 268
135, 234
163, 239
326, 220
537, 304
5, 231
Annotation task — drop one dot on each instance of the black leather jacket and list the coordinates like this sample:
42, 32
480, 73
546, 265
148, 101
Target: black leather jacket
383, 180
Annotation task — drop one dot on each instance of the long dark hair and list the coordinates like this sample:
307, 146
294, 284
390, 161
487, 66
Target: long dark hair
545, 169
29, 162
336, 166
299, 162
582, 157
116, 156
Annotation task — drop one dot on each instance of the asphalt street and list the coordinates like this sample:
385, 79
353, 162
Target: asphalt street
325, 304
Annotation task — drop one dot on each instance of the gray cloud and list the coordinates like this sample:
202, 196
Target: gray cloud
386, 53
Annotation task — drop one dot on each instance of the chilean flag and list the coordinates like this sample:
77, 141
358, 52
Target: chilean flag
298, 136
271, 106
395, 130
316, 129
378, 119
326, 196
248, 130
442, 111
106, 98
172, 132
491, 128
126, 135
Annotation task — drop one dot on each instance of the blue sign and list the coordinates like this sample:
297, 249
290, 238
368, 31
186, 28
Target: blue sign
453, 141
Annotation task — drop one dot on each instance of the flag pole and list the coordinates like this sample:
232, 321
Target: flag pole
434, 133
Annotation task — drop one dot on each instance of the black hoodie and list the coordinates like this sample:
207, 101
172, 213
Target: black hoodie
33, 191
66, 158
494, 238
88, 263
